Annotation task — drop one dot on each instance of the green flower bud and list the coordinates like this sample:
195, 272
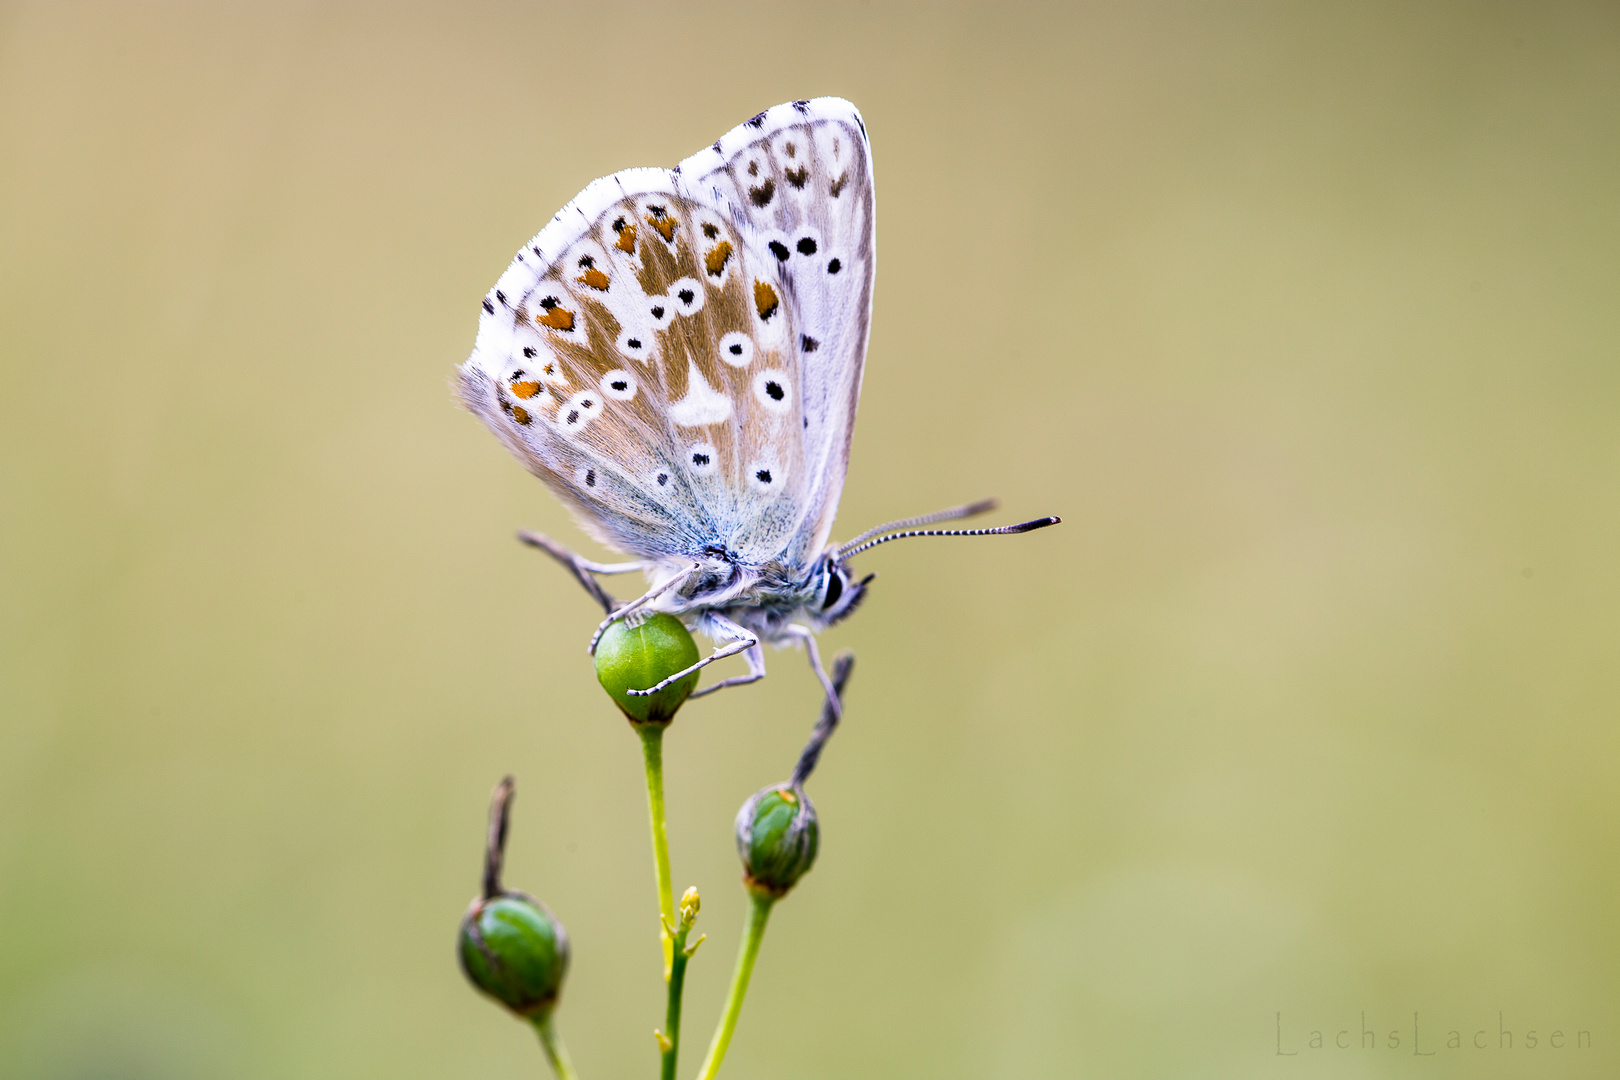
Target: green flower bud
515, 950
777, 836
511, 946
638, 657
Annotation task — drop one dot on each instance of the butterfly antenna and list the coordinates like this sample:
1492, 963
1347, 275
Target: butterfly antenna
967, 510
1005, 530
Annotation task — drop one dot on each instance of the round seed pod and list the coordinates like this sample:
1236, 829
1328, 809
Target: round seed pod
637, 657
514, 949
777, 837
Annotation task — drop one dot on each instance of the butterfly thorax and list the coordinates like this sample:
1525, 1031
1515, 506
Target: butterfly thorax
762, 597
766, 598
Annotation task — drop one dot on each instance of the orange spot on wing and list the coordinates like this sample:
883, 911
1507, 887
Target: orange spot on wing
525, 390
715, 261
765, 301
594, 278
665, 226
627, 239
558, 318
520, 414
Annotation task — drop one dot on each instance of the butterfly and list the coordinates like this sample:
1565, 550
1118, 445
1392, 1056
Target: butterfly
678, 356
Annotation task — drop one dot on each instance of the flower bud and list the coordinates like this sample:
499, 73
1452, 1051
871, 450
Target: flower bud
777, 835
513, 949
691, 904
510, 944
637, 657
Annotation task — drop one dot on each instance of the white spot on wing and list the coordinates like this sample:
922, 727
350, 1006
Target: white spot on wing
702, 459
619, 385
771, 390
702, 405
636, 342
687, 293
575, 414
737, 349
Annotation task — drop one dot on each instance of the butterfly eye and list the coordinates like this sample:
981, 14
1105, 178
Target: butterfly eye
737, 349
835, 587
619, 385
771, 391
688, 295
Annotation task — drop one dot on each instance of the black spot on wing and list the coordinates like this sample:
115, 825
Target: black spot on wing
489, 308
808, 343
780, 250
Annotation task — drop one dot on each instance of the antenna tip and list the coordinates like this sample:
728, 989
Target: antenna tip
1038, 523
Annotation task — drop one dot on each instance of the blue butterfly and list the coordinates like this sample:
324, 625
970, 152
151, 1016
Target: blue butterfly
678, 355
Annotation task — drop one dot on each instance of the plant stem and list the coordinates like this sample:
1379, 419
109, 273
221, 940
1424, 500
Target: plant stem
672, 1012
556, 1052
652, 745
758, 912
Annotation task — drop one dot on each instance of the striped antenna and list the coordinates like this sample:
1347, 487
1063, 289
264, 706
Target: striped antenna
966, 510
1005, 530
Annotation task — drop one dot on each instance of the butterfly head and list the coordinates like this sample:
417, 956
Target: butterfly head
838, 591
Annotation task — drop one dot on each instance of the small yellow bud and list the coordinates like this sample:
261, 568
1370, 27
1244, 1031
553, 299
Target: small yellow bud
664, 1045
691, 903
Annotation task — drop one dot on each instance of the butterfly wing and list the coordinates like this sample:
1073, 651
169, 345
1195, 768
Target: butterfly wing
678, 354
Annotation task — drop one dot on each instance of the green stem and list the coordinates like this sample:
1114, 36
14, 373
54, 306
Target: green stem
672, 1012
652, 745
556, 1052
758, 912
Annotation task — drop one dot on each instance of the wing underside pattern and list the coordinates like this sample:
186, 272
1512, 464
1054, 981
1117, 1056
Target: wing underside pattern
678, 355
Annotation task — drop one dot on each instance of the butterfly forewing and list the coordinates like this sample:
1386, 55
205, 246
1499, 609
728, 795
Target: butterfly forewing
678, 354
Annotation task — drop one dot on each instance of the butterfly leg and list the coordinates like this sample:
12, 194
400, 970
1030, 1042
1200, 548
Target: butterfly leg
744, 641
619, 613
582, 569
756, 672
809, 638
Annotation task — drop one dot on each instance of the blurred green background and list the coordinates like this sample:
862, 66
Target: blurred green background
1304, 317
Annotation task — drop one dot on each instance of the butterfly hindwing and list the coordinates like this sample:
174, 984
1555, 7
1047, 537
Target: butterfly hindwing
672, 355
